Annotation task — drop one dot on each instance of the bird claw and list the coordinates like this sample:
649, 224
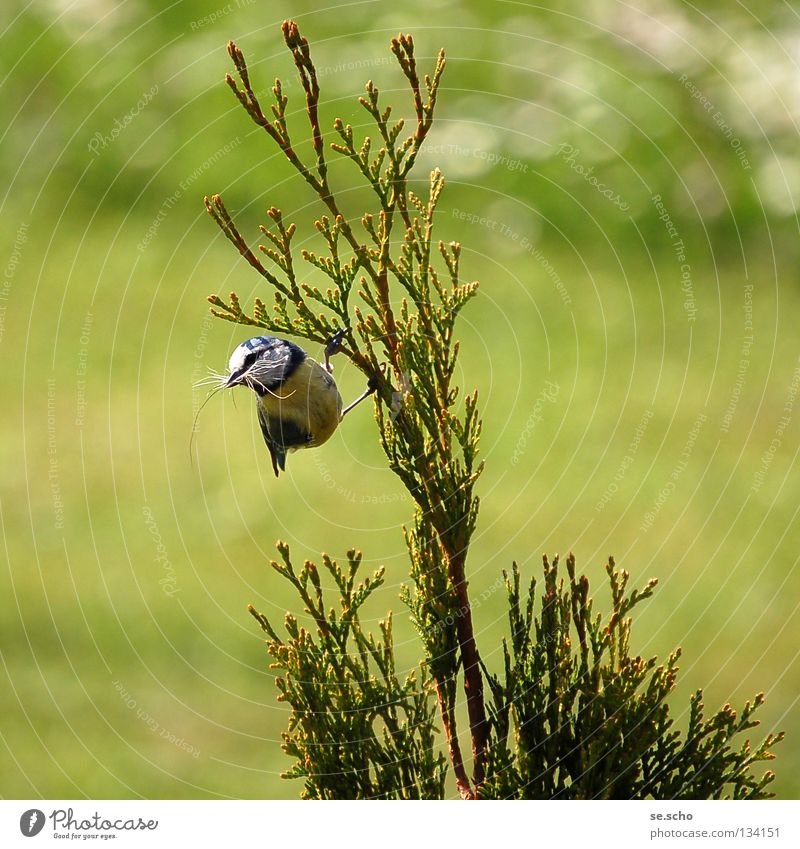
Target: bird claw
333, 346
335, 342
372, 383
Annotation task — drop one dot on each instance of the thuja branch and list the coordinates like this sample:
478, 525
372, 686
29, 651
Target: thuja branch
408, 353
357, 731
278, 131
575, 715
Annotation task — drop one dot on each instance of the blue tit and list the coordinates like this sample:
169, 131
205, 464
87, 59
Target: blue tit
298, 404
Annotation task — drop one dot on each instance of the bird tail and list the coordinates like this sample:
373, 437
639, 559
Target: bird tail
278, 455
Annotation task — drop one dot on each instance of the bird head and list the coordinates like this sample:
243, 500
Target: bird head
263, 363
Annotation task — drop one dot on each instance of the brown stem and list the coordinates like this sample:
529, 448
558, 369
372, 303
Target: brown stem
473, 680
216, 209
449, 724
382, 284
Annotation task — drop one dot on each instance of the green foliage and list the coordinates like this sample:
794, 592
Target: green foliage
356, 731
576, 716
582, 722
573, 715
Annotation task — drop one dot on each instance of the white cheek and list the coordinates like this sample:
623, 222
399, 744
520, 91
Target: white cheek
237, 360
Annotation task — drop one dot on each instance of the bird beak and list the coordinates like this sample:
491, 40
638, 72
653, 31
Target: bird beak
233, 380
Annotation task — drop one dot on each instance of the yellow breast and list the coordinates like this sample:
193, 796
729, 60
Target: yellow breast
309, 400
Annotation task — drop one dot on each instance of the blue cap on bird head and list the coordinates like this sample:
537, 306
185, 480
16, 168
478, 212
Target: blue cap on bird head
248, 351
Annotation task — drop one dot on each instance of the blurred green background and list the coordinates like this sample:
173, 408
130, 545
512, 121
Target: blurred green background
637, 359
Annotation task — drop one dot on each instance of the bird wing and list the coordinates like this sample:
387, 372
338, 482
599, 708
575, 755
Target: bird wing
279, 436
